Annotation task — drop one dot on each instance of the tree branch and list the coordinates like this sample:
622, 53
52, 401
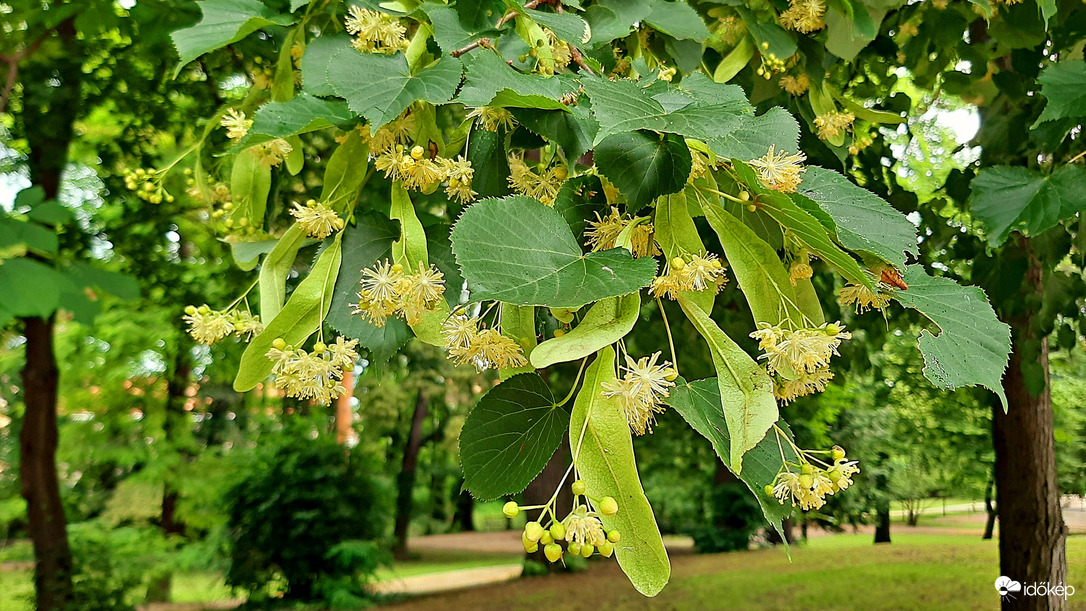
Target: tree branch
13, 66
483, 42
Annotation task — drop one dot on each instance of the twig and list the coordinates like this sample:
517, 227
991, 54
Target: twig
575, 53
13, 66
506, 18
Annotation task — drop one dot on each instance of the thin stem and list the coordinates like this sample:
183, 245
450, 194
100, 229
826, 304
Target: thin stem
575, 381
243, 295
670, 340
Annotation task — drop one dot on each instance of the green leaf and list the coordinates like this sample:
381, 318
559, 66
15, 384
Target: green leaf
346, 173
31, 288
781, 42
579, 199
606, 322
863, 221
805, 227
450, 31
247, 254
380, 87
756, 268
972, 346
410, 251
16, 232
486, 152
699, 404
1007, 199
510, 436
644, 166
678, 20
746, 391
488, 74
365, 243
300, 317
299, 115
847, 35
573, 129
755, 135
567, 26
735, 61
518, 323
321, 54
250, 184
603, 454
1064, 85
276, 269
224, 22
49, 212
121, 286
518, 250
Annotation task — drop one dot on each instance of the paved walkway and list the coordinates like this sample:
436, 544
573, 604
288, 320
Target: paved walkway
449, 580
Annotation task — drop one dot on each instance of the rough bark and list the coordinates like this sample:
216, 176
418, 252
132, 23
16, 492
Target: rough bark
882, 502
465, 509
540, 490
1032, 534
38, 468
405, 483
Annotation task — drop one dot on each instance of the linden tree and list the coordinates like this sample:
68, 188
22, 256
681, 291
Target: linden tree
545, 169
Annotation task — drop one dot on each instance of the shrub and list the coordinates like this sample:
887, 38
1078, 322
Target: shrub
734, 518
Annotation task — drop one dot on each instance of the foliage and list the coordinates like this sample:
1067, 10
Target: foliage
542, 86
291, 515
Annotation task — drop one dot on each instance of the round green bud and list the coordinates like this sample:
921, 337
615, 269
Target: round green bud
558, 531
608, 506
833, 329
529, 545
190, 310
806, 480
744, 195
765, 46
614, 536
587, 550
575, 548
807, 469
559, 332
533, 531
678, 263
417, 152
279, 343
511, 509
607, 549
547, 538
553, 552
837, 452
319, 348
768, 490
579, 487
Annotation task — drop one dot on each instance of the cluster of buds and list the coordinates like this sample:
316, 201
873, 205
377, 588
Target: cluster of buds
771, 64
147, 185
208, 326
808, 488
581, 530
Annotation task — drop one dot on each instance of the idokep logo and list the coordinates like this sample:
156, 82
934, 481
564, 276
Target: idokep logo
1008, 588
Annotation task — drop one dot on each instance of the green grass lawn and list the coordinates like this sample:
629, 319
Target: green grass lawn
446, 561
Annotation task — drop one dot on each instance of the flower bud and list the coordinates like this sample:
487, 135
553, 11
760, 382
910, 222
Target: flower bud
579, 487
559, 332
190, 310
553, 552
833, 329
319, 348
279, 343
837, 452
614, 536
607, 549
529, 545
575, 548
587, 550
678, 263
511, 509
807, 469
806, 480
558, 531
608, 506
533, 531
769, 490
417, 152
546, 539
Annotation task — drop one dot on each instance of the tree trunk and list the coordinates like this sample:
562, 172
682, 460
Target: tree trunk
989, 508
1032, 535
882, 521
344, 430
38, 468
465, 509
540, 490
174, 425
405, 483
51, 101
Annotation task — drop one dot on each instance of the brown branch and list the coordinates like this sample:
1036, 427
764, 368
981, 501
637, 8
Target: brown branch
13, 66
575, 53
506, 18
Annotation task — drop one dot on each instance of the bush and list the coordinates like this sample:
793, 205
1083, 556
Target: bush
734, 518
298, 522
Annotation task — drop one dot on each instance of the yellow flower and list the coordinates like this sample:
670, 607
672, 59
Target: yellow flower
832, 124
543, 187
787, 391
584, 528
695, 275
600, 234
208, 326
780, 171
274, 152
641, 390
804, 16
247, 325
492, 118
380, 283
862, 297
315, 375
316, 219
460, 331
800, 351
795, 85
237, 126
375, 32
399, 131
458, 175
499, 351
799, 269
426, 286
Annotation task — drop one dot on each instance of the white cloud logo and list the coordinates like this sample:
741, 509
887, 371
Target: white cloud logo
1006, 586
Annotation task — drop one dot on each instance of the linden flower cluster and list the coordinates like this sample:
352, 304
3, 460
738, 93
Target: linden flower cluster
862, 298
208, 326
542, 186
147, 185
375, 32
795, 85
804, 16
800, 268
800, 358
237, 126
808, 488
833, 124
387, 291
641, 390
492, 118
273, 152
486, 349
397, 131
582, 528
603, 233
418, 172
316, 219
779, 170
317, 375
695, 273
